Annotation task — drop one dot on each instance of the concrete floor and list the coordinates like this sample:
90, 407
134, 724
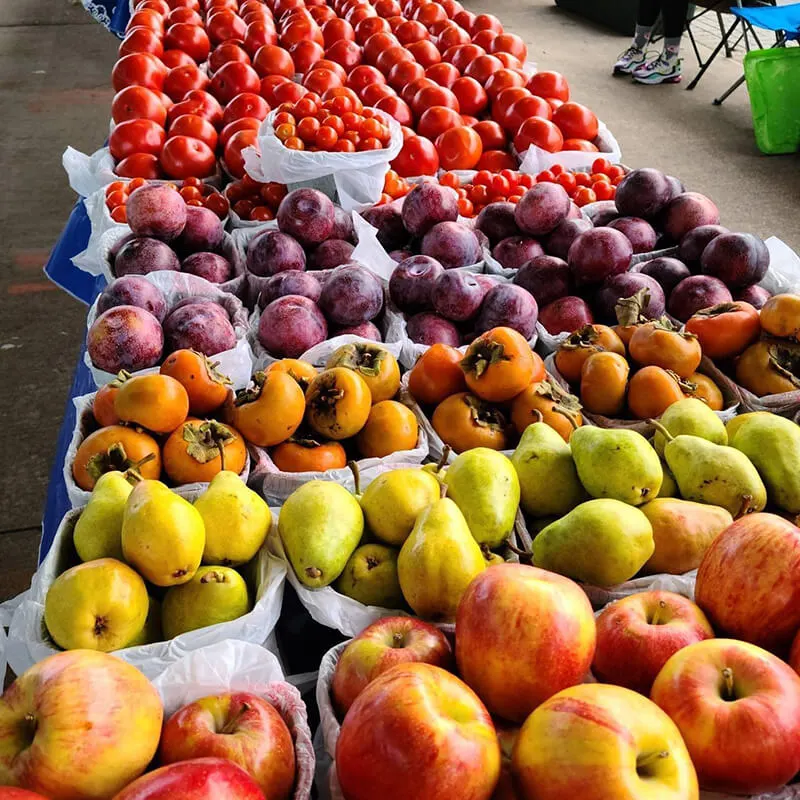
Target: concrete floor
54, 91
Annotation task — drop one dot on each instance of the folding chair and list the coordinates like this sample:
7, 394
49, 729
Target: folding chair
739, 24
783, 21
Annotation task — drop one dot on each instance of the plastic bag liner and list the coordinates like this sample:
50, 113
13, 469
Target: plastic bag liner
357, 178
235, 363
236, 666
534, 160
730, 396
29, 642
84, 425
95, 258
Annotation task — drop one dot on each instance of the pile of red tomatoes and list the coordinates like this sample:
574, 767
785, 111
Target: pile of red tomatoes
196, 78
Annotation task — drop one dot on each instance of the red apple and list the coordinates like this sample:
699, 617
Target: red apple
748, 582
794, 654
10, 793
738, 709
242, 727
417, 733
384, 644
507, 738
600, 742
199, 779
522, 634
80, 724
637, 635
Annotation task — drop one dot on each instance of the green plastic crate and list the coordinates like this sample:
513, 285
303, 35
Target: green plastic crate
773, 81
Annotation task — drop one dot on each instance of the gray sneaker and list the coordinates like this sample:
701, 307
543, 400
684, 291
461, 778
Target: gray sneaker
630, 60
659, 70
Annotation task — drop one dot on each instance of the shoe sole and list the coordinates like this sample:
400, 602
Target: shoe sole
623, 70
647, 82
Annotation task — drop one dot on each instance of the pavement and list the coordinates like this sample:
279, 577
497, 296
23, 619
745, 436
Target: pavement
55, 63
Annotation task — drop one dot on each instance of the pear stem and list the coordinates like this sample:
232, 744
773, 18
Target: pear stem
727, 676
356, 475
443, 460
655, 619
661, 429
747, 502
566, 414
540, 416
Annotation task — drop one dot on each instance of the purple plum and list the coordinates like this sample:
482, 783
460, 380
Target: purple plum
203, 231
452, 245
602, 212
511, 306
696, 240
412, 281
457, 295
351, 295
558, 242
291, 325
133, 290
272, 252
304, 284
755, 295
697, 292
640, 233
688, 211
156, 210
626, 285
496, 222
598, 254
542, 208
737, 259
306, 214
643, 193
125, 337
388, 220
565, 315
198, 326
330, 254
366, 330
342, 225
514, 251
427, 204
547, 278
429, 328
211, 266
142, 256
668, 271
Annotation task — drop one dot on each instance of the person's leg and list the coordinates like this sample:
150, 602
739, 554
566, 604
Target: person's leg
674, 22
633, 57
667, 67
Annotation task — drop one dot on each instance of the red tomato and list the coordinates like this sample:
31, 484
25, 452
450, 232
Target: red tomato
462, 55
305, 53
146, 18
503, 102
375, 92
485, 39
181, 80
410, 91
418, 156
403, 73
273, 60
183, 15
495, 160
436, 120
246, 104
335, 29
241, 124
137, 102
411, 31
503, 79
195, 127
363, 76
397, 108
139, 165
190, 38
425, 53
464, 18
580, 144
576, 121
141, 40
369, 26
510, 43
234, 78
345, 53
183, 157
549, 84
387, 8
508, 61
443, 74
193, 4
136, 136
486, 22
320, 80
554, 102
524, 108
268, 86
459, 148
540, 132
430, 96
483, 67
225, 24
138, 69
159, 6
583, 196
471, 96
391, 56
452, 35
376, 44
492, 135
197, 102
359, 14
175, 58
259, 34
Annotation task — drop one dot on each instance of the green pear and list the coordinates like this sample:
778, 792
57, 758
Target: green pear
370, 576
549, 483
393, 501
438, 561
602, 542
236, 520
98, 531
320, 525
163, 535
616, 464
212, 596
151, 632
772, 443
484, 485
669, 486
97, 605
693, 417
714, 474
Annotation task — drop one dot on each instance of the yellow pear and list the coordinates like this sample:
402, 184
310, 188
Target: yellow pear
98, 531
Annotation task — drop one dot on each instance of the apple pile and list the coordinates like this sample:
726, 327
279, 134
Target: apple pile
193, 191
167, 233
109, 719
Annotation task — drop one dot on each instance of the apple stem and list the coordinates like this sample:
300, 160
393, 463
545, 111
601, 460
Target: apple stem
727, 676
643, 763
230, 725
398, 640
655, 619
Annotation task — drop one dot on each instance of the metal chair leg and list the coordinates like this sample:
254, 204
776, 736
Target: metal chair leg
718, 101
723, 43
728, 50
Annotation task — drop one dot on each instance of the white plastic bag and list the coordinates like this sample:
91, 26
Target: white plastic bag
29, 643
95, 258
534, 160
84, 425
87, 174
329, 726
357, 177
236, 363
600, 596
234, 666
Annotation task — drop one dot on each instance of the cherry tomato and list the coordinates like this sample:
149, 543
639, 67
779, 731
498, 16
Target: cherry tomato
138, 102
139, 165
345, 146
217, 203
614, 172
183, 156
294, 143
583, 196
557, 169
545, 176
136, 136
119, 214
195, 127
603, 190
583, 179
115, 199
418, 156
567, 180
601, 165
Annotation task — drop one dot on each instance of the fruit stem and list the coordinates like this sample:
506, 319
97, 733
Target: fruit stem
443, 460
398, 640
745, 508
727, 676
540, 416
566, 414
132, 474
356, 475
655, 619
661, 429
643, 763
230, 725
